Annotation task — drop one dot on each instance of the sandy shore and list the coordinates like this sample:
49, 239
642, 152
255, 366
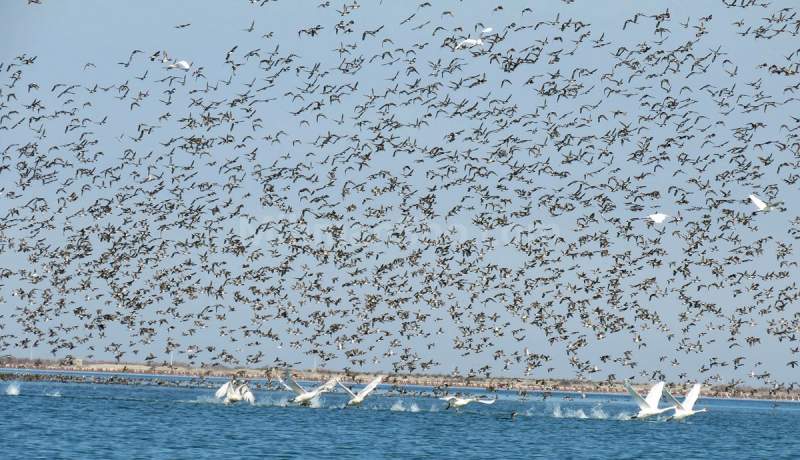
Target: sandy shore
435, 381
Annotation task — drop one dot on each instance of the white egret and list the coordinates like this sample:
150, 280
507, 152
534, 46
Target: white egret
358, 398
302, 396
648, 406
685, 408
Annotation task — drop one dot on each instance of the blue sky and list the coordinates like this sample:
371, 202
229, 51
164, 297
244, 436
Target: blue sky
65, 36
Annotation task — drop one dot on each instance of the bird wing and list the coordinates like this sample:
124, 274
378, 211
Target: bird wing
757, 201
247, 395
485, 401
223, 390
291, 385
677, 404
655, 395
370, 386
447, 398
692, 396
641, 402
327, 386
347, 389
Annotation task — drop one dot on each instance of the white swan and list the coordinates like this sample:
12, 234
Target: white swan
658, 217
359, 397
648, 406
757, 201
685, 409
762, 206
456, 402
183, 65
469, 43
302, 396
234, 391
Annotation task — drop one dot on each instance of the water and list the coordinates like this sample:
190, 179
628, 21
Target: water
80, 421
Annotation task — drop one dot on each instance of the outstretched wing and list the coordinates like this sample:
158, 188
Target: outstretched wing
447, 398
370, 386
757, 201
327, 386
692, 396
247, 395
641, 402
655, 395
290, 384
223, 390
347, 389
486, 401
675, 402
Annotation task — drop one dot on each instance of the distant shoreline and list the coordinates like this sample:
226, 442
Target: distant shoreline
435, 381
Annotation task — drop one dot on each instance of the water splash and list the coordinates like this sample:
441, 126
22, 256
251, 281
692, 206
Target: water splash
568, 413
398, 406
12, 389
53, 394
596, 413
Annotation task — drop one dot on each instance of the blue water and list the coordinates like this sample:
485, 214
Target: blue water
80, 421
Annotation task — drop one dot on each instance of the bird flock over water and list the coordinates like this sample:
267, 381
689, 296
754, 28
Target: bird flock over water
530, 194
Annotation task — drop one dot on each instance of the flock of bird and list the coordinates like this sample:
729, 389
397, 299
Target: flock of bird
236, 390
532, 194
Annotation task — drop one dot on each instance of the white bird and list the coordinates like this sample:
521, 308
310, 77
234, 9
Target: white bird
456, 402
684, 409
486, 30
648, 406
304, 397
759, 204
359, 397
183, 65
469, 43
234, 392
658, 217
762, 206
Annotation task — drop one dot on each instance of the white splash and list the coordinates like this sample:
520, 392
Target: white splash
53, 394
598, 413
400, 407
12, 389
568, 413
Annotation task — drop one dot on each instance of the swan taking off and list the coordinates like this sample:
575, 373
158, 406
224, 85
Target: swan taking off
648, 406
456, 402
359, 397
684, 409
304, 397
235, 391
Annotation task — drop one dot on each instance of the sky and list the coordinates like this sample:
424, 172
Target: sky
66, 35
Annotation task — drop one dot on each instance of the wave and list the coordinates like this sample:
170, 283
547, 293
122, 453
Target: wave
12, 389
53, 394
